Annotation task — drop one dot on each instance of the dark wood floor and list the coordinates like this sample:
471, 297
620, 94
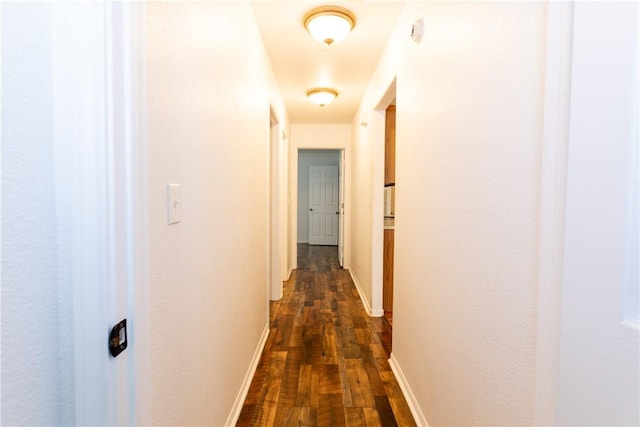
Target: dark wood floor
325, 361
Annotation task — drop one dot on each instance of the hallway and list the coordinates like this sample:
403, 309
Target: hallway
325, 361
152, 154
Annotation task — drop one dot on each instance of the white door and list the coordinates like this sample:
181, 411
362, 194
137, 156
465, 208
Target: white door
341, 215
323, 205
598, 381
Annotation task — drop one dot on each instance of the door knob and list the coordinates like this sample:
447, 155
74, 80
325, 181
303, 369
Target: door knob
311, 209
337, 213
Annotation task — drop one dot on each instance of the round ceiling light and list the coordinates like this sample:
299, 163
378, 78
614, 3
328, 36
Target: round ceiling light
322, 95
329, 24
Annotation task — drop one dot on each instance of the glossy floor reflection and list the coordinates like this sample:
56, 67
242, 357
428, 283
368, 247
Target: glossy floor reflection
325, 361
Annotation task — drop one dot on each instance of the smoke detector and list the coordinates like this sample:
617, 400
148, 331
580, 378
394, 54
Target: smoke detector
417, 30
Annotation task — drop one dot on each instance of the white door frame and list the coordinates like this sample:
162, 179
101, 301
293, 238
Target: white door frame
100, 192
277, 198
341, 208
293, 208
274, 280
555, 158
552, 206
377, 123
596, 330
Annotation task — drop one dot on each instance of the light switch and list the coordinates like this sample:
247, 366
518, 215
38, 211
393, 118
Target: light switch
174, 203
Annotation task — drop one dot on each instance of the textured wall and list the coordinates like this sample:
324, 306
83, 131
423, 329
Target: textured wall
320, 136
208, 118
361, 208
468, 169
30, 359
469, 131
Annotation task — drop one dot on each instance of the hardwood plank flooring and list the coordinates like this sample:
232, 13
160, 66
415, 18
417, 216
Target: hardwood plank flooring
325, 361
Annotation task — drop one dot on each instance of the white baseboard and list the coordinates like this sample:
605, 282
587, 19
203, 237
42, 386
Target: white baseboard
246, 383
367, 306
418, 416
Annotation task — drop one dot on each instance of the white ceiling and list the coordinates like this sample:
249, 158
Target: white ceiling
301, 63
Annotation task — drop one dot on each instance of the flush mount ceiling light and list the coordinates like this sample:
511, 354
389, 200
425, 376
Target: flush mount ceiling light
322, 95
329, 24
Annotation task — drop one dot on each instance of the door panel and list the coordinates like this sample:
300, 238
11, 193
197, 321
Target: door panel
341, 210
323, 205
599, 376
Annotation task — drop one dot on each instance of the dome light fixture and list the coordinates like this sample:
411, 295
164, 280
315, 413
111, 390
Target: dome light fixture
329, 24
322, 95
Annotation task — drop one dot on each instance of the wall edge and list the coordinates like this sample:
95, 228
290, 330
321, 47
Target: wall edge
416, 411
248, 378
371, 312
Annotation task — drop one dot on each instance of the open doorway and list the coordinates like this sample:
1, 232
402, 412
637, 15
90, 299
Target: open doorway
384, 179
321, 198
277, 224
388, 252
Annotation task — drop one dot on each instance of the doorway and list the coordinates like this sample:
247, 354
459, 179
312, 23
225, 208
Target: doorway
384, 192
388, 252
277, 224
321, 180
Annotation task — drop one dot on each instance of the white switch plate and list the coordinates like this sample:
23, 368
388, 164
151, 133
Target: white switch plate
174, 203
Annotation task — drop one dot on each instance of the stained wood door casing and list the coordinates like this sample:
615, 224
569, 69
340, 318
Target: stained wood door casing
387, 271
390, 146
324, 211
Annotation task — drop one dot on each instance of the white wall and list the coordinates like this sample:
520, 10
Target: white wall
308, 158
361, 207
209, 92
468, 142
314, 136
31, 363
